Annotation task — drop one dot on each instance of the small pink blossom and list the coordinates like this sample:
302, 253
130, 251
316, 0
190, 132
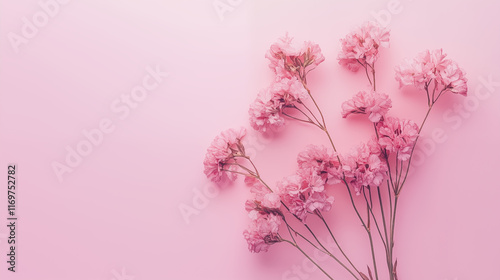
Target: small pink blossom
322, 161
262, 232
432, 68
266, 111
304, 193
263, 197
319, 201
360, 47
373, 103
363, 167
453, 78
221, 154
311, 55
398, 136
287, 61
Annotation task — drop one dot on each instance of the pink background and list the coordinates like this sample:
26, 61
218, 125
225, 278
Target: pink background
118, 211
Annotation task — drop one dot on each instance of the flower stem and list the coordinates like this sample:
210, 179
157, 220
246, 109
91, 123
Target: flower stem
338, 245
330, 254
307, 256
370, 209
325, 129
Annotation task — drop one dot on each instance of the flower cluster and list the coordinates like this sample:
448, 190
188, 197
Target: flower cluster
266, 112
265, 217
360, 47
373, 103
221, 157
398, 136
323, 162
431, 66
368, 166
364, 167
263, 231
263, 198
291, 65
304, 192
287, 60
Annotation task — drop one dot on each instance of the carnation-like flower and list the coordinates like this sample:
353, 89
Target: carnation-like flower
361, 46
287, 60
324, 162
222, 153
262, 232
375, 104
263, 198
364, 168
266, 111
453, 78
304, 193
398, 136
432, 66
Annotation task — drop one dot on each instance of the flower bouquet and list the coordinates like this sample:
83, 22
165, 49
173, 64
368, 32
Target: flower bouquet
374, 173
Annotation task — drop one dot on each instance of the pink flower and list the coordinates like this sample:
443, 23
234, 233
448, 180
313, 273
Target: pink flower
287, 61
290, 190
322, 161
361, 46
398, 136
373, 103
263, 198
319, 201
304, 193
263, 210
363, 167
221, 154
431, 66
262, 232
311, 55
266, 111
453, 78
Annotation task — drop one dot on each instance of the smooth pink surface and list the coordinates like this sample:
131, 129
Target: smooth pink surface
118, 211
